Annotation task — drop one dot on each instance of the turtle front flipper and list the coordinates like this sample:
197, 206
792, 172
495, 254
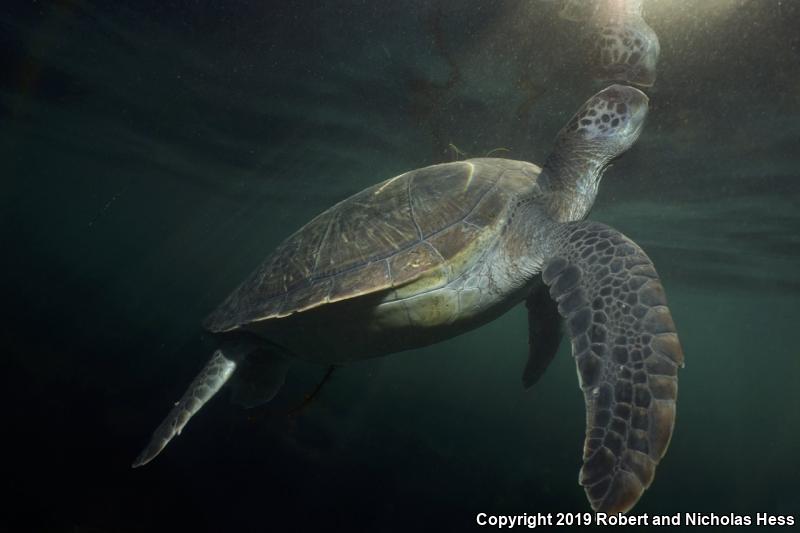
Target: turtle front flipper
213, 376
627, 351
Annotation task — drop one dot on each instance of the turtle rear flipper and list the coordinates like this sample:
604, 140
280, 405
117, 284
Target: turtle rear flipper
213, 376
627, 352
258, 374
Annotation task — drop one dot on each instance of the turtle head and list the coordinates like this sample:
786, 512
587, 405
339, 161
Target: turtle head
606, 125
604, 128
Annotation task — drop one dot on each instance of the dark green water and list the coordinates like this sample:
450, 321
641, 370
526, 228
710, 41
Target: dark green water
153, 153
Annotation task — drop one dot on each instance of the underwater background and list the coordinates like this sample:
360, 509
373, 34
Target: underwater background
152, 152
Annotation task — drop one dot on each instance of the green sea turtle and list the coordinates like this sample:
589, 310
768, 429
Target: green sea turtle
441, 250
624, 47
